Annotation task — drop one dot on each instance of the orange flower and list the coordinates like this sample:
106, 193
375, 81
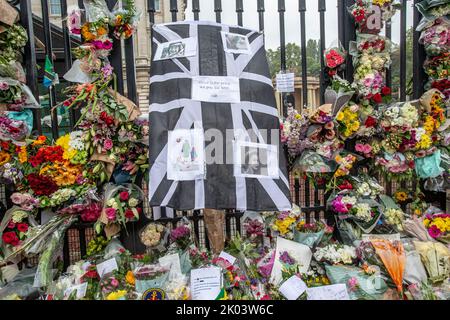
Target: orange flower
39, 141
86, 32
101, 31
130, 278
4, 157
23, 155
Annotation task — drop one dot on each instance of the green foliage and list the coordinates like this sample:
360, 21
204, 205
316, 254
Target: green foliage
294, 59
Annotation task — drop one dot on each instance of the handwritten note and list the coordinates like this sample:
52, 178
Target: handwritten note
299, 252
333, 292
228, 257
285, 82
293, 288
206, 283
216, 89
80, 289
107, 266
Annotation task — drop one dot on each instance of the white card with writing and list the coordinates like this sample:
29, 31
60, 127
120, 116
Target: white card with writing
228, 257
235, 43
299, 252
390, 237
107, 266
332, 292
172, 262
285, 82
206, 283
292, 288
185, 155
176, 49
80, 289
216, 89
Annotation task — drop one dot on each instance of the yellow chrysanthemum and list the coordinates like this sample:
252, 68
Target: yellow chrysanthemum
23, 155
116, 295
4, 157
340, 116
425, 142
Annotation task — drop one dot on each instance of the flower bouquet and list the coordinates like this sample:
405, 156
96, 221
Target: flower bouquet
348, 121
312, 234
336, 254
181, 236
293, 133
151, 277
436, 259
334, 58
15, 228
124, 20
121, 205
387, 257
438, 226
438, 67
360, 285
284, 223
153, 236
436, 38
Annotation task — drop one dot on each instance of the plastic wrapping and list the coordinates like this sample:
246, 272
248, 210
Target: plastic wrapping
312, 162
21, 286
29, 99
44, 273
121, 205
436, 259
394, 259
96, 10
154, 236
367, 287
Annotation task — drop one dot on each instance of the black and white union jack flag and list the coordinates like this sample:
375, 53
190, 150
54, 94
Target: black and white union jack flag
208, 80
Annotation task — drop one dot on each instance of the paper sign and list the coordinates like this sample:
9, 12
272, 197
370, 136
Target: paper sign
235, 43
300, 252
216, 89
293, 288
285, 82
255, 160
185, 155
81, 290
172, 262
390, 237
176, 49
107, 266
228, 257
333, 292
206, 283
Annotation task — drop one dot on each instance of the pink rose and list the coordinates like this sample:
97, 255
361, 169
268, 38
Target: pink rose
114, 282
4, 86
11, 225
124, 195
110, 214
17, 198
107, 144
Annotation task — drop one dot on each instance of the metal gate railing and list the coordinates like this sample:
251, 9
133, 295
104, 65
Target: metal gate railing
304, 194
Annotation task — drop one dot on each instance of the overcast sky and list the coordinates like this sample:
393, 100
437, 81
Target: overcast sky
292, 19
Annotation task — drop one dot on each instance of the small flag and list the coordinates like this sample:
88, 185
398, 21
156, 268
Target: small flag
50, 76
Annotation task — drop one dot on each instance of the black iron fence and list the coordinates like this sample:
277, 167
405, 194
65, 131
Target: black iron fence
304, 193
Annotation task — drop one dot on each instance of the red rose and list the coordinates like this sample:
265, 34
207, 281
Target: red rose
91, 274
124, 195
370, 122
129, 214
10, 238
22, 227
41, 185
386, 91
377, 98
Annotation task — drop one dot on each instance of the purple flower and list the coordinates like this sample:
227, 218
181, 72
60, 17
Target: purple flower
107, 70
179, 233
286, 258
